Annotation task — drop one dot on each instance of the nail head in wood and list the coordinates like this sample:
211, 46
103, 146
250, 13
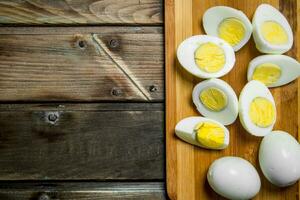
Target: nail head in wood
116, 92
81, 44
44, 197
52, 117
153, 88
113, 43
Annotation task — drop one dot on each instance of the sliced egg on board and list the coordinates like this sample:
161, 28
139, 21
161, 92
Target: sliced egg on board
279, 158
203, 132
229, 24
271, 31
257, 111
215, 99
273, 70
234, 178
206, 56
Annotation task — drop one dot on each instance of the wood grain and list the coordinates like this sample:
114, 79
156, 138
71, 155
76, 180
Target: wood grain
107, 63
33, 12
187, 165
109, 141
85, 190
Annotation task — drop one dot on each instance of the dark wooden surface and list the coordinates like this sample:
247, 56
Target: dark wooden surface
80, 191
81, 12
108, 63
81, 141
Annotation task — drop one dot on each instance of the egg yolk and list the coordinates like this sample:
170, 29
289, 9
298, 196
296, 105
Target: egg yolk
274, 33
262, 112
210, 57
213, 98
268, 73
232, 30
210, 134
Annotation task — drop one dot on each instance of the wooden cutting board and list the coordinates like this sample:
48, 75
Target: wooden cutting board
186, 164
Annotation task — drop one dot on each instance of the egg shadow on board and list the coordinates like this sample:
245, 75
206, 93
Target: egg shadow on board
186, 76
184, 73
211, 192
201, 25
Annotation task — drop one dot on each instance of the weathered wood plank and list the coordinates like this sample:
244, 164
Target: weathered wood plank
81, 12
81, 141
115, 63
87, 191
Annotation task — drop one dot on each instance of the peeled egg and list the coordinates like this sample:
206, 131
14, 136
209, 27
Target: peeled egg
233, 178
215, 99
271, 31
279, 158
206, 56
229, 24
257, 111
203, 132
273, 70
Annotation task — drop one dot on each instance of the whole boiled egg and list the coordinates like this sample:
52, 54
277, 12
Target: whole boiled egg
273, 70
271, 31
215, 99
279, 158
227, 23
257, 111
206, 56
203, 132
233, 178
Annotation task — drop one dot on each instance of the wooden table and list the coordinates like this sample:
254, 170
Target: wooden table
81, 99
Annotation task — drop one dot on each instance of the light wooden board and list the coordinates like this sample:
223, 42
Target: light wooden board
187, 165
81, 12
81, 64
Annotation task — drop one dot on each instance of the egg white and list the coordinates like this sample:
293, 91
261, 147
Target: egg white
290, 68
266, 12
186, 55
252, 90
226, 116
215, 15
185, 131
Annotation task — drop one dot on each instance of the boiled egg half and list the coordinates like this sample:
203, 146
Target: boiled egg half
215, 99
227, 23
271, 30
257, 111
206, 56
203, 132
273, 70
